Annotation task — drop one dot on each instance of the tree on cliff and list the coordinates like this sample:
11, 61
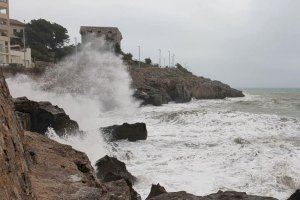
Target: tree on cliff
47, 40
148, 61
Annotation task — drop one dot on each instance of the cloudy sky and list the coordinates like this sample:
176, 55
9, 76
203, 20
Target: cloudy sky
245, 43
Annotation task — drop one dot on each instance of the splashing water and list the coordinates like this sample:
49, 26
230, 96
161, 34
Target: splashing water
93, 83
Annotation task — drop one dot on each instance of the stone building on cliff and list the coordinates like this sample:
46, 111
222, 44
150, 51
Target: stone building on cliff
111, 34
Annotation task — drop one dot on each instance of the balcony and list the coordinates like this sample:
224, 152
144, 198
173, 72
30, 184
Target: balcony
3, 4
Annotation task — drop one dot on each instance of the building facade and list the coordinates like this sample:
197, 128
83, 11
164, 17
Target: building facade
11, 39
111, 34
16, 28
4, 32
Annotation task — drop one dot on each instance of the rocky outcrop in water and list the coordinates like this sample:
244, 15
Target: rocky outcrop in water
156, 190
110, 169
295, 196
229, 195
38, 116
158, 86
132, 132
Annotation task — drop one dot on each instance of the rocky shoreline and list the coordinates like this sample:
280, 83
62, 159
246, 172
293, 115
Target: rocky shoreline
159, 86
33, 166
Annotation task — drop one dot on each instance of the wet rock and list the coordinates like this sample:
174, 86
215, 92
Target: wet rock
132, 132
113, 172
58, 171
229, 195
295, 196
156, 190
44, 115
159, 86
111, 169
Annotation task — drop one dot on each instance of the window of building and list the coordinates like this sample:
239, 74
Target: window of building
3, 11
15, 31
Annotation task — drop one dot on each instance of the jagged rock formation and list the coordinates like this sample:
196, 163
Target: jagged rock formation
14, 172
295, 196
229, 195
38, 116
158, 86
132, 132
57, 171
156, 190
110, 169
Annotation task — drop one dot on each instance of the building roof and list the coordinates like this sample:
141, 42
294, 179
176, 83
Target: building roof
85, 28
16, 22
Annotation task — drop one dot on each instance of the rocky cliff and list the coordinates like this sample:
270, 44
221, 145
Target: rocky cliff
158, 86
14, 172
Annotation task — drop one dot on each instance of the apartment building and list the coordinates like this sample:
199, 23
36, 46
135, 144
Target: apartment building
4, 32
11, 49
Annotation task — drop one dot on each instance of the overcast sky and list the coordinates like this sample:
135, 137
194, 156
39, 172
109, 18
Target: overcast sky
245, 43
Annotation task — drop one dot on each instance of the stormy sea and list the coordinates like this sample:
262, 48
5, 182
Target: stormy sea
249, 144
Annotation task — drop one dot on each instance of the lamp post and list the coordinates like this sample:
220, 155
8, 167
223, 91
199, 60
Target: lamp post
139, 47
169, 59
159, 61
24, 40
173, 60
76, 51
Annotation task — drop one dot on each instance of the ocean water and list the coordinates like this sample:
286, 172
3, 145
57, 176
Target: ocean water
249, 144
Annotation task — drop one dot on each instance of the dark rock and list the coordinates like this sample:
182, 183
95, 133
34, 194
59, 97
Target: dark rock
120, 190
132, 132
295, 196
159, 86
180, 94
24, 119
44, 115
156, 190
229, 195
111, 169
113, 172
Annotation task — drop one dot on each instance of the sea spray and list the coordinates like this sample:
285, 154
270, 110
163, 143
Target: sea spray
89, 85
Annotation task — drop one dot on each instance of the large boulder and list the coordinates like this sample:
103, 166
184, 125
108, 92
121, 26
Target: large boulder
111, 169
159, 193
295, 196
39, 116
132, 132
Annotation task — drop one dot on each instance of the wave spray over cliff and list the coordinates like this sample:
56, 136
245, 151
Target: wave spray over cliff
92, 84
